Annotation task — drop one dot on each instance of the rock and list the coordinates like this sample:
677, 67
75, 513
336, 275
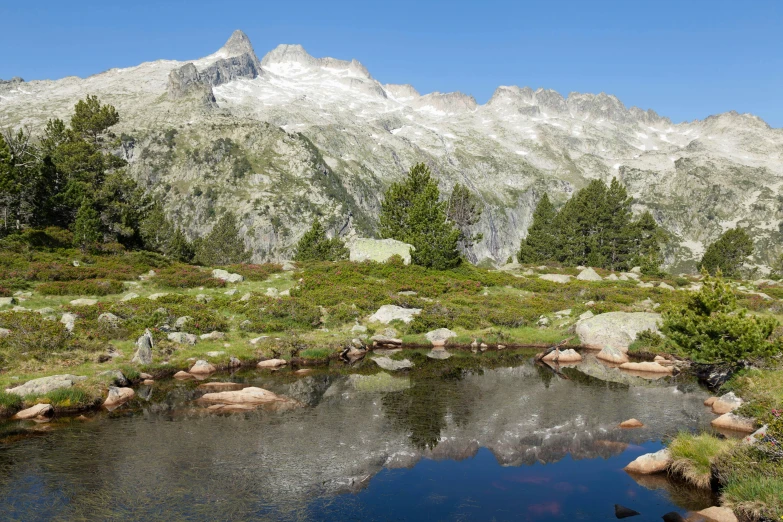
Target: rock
710, 400
392, 365
221, 386
246, 297
636, 270
439, 344
624, 512
673, 516
271, 292
645, 285
272, 363
623, 277
303, 371
44, 385
144, 346
118, 378
612, 277
118, 396
358, 328
590, 303
408, 293
204, 298
630, 275
109, 319
288, 266
566, 356
148, 382
648, 367
233, 362
257, 340
631, 423
726, 403
718, 514
69, 320
441, 334
213, 336
729, 421
378, 250
5, 332
757, 435
183, 375
665, 286
563, 313
39, 411
613, 355
8, 301
438, 354
182, 321
227, 276
230, 292
129, 296
556, 278
483, 347
587, 315
650, 463
182, 338
389, 313
249, 398
543, 321
143, 375
202, 368
615, 329
84, 302
588, 274
155, 297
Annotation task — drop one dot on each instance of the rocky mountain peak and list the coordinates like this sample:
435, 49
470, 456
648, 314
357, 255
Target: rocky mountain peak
238, 44
287, 53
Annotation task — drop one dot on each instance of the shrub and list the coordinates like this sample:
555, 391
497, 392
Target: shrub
285, 314
93, 287
710, 327
255, 272
315, 246
31, 334
727, 254
183, 276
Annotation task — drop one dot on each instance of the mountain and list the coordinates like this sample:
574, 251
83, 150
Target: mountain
281, 139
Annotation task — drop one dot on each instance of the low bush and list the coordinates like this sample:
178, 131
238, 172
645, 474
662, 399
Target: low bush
255, 272
278, 315
88, 287
31, 336
183, 276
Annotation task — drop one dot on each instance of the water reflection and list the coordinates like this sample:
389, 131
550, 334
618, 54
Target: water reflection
475, 433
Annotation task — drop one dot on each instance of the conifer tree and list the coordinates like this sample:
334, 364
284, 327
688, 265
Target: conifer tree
179, 248
411, 212
728, 253
464, 210
315, 246
540, 244
223, 245
86, 226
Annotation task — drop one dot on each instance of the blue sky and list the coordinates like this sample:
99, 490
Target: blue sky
685, 59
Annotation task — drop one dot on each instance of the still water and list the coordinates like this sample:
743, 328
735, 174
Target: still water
494, 439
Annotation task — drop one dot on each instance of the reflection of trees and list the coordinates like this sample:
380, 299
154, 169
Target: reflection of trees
424, 409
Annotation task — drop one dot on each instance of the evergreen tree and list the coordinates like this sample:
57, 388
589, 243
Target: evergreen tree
464, 210
616, 228
86, 227
728, 253
223, 245
91, 119
648, 237
315, 246
411, 212
540, 244
179, 248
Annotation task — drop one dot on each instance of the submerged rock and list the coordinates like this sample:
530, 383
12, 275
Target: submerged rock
631, 423
247, 399
392, 365
730, 421
39, 411
651, 463
648, 367
272, 363
624, 512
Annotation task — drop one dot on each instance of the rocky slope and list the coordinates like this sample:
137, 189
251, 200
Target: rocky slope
281, 139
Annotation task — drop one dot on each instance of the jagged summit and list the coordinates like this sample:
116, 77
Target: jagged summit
238, 44
288, 53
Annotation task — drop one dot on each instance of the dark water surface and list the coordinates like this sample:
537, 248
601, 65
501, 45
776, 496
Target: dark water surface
511, 441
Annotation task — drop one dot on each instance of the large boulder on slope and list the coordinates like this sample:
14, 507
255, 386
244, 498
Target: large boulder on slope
379, 250
615, 329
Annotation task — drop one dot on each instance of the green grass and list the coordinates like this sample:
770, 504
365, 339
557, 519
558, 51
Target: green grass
9, 403
693, 456
69, 398
752, 485
315, 353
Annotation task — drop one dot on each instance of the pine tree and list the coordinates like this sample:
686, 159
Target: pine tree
411, 212
540, 244
616, 228
179, 248
728, 253
315, 246
648, 237
86, 227
91, 119
464, 210
223, 245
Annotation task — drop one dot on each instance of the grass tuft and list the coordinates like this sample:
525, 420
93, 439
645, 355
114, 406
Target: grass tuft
693, 456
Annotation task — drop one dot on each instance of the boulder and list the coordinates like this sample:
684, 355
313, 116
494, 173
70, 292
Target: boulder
69, 320
615, 329
631, 423
271, 292
226, 276
84, 302
129, 296
5, 332
248, 399
44, 385
231, 291
117, 377
726, 403
378, 250
729, 421
272, 363
709, 401
118, 396
182, 338
613, 355
556, 278
441, 334
566, 356
665, 286
647, 367
438, 354
629, 275
8, 301
612, 277
213, 336
588, 274
718, 514
650, 463
389, 313
143, 375
183, 375
182, 321
636, 270
586, 315
202, 367
144, 345
155, 297
756, 436
392, 365
109, 319
39, 411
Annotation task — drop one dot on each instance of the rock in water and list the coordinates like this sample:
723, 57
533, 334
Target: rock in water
726, 403
249, 398
651, 463
392, 365
202, 368
379, 250
649, 367
624, 512
144, 346
39, 411
614, 355
615, 329
566, 356
441, 334
118, 396
718, 514
438, 354
631, 423
272, 363
729, 421
673, 516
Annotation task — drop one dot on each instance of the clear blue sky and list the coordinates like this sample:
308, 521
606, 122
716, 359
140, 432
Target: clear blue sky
686, 59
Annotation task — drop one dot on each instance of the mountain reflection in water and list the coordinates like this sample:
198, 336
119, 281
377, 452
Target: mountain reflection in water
513, 442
